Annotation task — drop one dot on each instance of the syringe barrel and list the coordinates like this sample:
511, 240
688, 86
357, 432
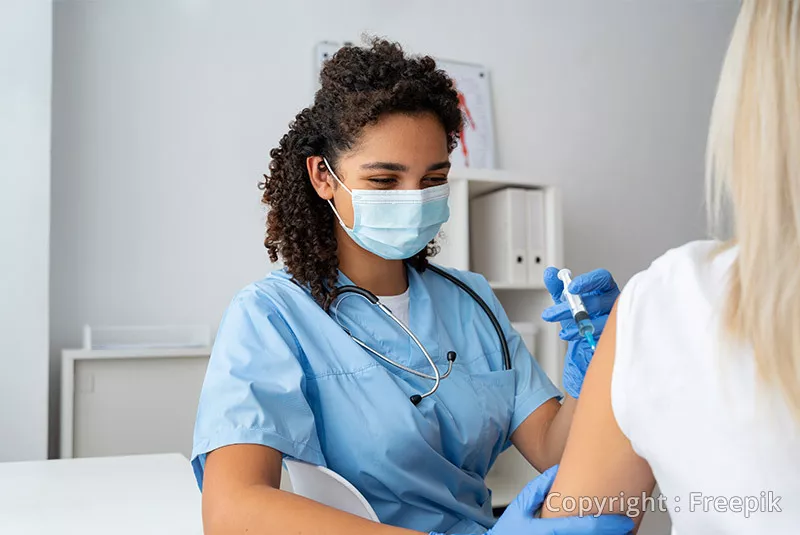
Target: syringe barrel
575, 301
576, 306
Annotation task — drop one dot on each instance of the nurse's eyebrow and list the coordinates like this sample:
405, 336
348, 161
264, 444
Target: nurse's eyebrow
440, 165
385, 166
400, 168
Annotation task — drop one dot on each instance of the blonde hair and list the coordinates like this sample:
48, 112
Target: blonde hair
753, 175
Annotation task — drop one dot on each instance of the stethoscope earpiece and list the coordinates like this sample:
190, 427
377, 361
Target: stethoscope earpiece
415, 399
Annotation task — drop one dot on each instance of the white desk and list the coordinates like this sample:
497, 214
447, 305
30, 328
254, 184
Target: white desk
152, 494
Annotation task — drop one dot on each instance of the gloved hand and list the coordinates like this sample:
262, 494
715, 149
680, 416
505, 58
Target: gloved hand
599, 292
518, 517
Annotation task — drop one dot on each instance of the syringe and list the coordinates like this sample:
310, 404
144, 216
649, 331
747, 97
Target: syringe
585, 327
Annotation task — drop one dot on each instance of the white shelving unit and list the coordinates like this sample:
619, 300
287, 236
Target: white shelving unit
522, 302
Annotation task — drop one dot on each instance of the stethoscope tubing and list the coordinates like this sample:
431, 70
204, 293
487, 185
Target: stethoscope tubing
451, 356
373, 300
478, 299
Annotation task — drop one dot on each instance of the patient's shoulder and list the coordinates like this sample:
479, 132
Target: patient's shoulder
685, 259
696, 270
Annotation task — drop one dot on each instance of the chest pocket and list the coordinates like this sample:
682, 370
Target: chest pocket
474, 412
495, 392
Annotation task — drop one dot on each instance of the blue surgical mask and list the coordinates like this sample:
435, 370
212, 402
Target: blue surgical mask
395, 224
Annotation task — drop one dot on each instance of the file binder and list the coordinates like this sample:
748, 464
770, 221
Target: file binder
507, 236
537, 261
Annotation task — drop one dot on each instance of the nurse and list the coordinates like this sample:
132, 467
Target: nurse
357, 190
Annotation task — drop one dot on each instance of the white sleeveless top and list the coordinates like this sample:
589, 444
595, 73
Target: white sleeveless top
719, 441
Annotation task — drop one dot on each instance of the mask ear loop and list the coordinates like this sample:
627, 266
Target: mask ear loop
336, 213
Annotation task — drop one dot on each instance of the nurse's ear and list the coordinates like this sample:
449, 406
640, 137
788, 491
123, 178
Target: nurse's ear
321, 179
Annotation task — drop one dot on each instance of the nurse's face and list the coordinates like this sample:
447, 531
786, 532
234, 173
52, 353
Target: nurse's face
398, 152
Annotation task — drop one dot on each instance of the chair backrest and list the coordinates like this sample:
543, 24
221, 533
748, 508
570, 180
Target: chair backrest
328, 488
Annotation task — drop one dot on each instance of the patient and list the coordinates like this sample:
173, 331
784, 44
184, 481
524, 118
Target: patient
696, 380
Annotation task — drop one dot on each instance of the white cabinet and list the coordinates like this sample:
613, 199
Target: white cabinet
132, 401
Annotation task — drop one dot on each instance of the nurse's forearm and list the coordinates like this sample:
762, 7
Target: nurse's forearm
542, 436
263, 510
556, 438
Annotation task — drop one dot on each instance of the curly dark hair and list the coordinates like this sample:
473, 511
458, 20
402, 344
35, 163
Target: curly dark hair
358, 86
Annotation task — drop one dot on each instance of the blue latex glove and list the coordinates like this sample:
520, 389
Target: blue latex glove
518, 517
599, 292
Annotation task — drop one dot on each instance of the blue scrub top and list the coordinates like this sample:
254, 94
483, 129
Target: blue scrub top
284, 374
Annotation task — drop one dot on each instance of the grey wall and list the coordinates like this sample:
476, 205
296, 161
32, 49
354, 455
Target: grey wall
25, 84
164, 112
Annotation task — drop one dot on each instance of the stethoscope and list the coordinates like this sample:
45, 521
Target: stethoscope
437, 376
